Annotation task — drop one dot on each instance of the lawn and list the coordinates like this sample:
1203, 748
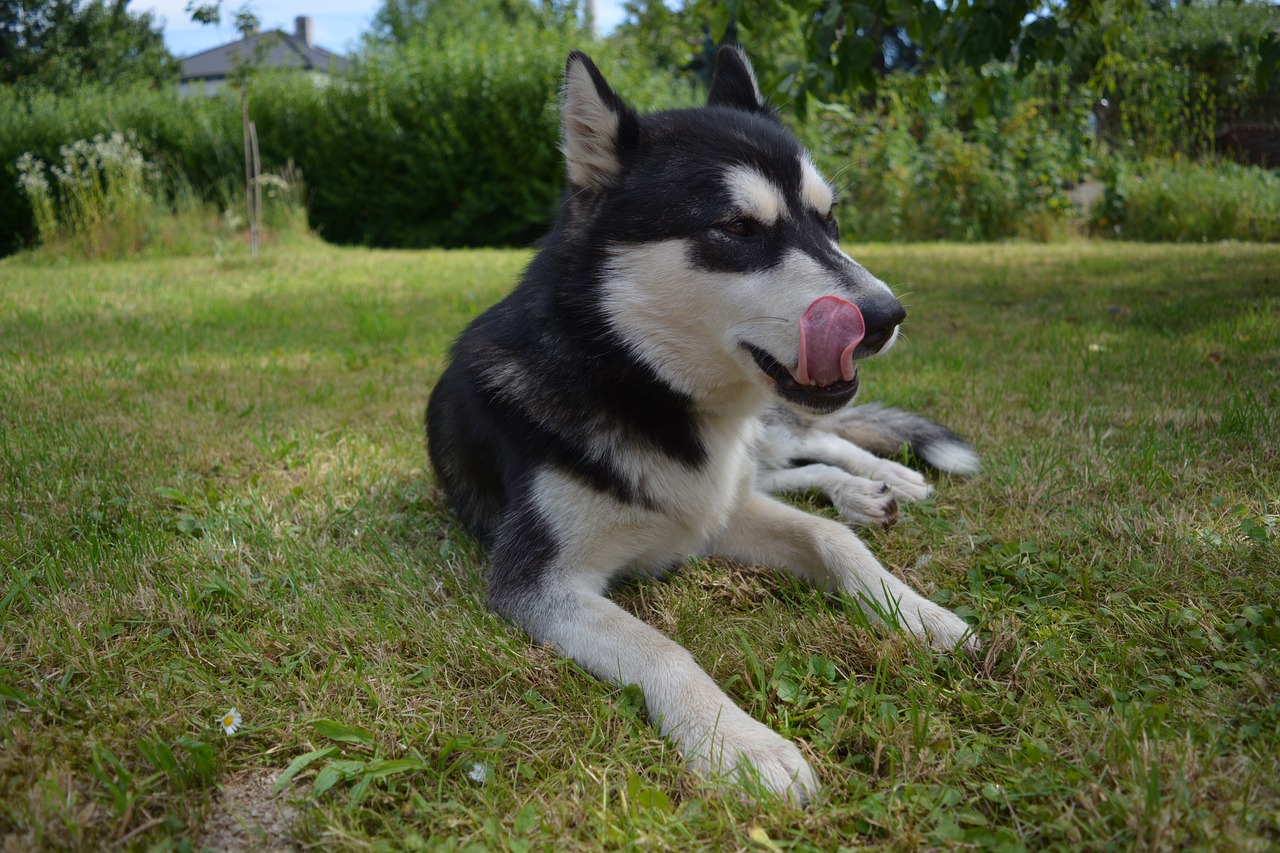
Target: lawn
215, 495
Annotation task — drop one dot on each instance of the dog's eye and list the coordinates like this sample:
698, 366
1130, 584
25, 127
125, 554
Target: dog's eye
738, 227
832, 225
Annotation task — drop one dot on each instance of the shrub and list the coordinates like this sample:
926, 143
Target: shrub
934, 157
100, 199
1179, 201
103, 199
196, 141
450, 140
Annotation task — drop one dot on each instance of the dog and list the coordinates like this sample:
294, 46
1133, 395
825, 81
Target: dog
836, 454
602, 420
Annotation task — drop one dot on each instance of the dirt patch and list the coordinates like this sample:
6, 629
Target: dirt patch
247, 816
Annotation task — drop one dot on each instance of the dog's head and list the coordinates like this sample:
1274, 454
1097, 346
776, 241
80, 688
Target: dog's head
717, 249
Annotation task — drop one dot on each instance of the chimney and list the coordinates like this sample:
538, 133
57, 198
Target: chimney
302, 29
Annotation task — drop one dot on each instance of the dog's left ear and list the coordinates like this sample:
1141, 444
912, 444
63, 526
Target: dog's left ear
734, 84
598, 127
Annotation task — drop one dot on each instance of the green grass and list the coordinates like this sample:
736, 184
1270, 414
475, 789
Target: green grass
215, 494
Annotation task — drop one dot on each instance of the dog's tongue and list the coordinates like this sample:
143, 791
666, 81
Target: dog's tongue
829, 330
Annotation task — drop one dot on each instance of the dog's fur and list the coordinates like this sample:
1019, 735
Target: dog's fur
602, 420
836, 455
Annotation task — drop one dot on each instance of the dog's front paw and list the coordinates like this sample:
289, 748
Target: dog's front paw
907, 485
942, 629
757, 757
865, 502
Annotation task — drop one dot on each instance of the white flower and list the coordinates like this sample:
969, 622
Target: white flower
478, 773
231, 721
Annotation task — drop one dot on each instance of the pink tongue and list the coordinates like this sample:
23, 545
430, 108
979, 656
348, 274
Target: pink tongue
829, 330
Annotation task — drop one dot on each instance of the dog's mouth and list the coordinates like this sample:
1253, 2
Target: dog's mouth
816, 398
825, 376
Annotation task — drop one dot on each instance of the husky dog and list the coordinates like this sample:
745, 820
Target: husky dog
601, 420
836, 455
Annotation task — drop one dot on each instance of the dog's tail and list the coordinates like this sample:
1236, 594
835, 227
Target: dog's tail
885, 431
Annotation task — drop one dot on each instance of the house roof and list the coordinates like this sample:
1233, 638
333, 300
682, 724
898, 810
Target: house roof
278, 49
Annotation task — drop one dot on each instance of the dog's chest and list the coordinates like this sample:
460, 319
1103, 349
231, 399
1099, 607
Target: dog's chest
684, 504
695, 502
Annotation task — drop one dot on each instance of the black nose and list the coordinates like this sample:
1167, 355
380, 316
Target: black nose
881, 317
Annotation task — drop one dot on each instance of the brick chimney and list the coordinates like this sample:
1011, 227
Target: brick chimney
302, 29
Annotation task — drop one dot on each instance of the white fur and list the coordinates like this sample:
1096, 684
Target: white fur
711, 509
953, 458
687, 323
815, 188
864, 488
756, 195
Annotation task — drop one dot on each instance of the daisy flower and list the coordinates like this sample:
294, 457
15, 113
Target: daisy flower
230, 721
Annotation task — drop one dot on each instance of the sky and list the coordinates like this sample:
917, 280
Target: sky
337, 24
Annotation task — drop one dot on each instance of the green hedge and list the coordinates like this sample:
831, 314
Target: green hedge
449, 141
453, 141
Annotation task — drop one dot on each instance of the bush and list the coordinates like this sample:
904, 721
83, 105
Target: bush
194, 141
1179, 201
1179, 73
103, 199
934, 157
449, 140
99, 198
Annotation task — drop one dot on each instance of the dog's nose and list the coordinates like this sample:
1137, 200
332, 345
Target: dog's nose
881, 316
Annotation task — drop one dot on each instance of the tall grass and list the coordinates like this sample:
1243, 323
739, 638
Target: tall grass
102, 199
1183, 202
97, 201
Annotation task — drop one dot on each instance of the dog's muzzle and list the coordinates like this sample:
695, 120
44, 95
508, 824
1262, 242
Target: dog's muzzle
815, 398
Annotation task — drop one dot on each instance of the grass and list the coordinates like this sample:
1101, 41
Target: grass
215, 494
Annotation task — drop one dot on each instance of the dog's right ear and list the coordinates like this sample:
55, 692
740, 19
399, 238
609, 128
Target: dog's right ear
734, 83
597, 126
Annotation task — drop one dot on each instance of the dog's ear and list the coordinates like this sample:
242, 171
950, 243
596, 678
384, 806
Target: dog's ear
734, 83
597, 126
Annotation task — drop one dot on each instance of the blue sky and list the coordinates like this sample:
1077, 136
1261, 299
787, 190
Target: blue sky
338, 24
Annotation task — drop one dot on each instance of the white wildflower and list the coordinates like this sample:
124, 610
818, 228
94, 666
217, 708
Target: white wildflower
231, 721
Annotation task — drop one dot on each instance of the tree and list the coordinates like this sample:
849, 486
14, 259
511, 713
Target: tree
62, 44
400, 21
847, 45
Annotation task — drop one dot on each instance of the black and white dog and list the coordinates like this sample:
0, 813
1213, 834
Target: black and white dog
604, 418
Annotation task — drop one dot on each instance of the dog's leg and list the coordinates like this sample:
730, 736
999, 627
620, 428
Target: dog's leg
824, 447
533, 584
766, 532
857, 499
